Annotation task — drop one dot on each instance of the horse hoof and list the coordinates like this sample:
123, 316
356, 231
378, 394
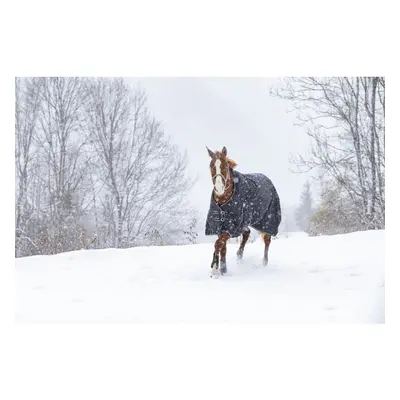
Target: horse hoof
215, 273
214, 270
223, 269
265, 262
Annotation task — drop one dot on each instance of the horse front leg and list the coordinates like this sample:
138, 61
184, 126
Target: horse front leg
245, 238
223, 259
267, 242
220, 249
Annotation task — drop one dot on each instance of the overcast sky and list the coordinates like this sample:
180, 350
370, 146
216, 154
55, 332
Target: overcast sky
238, 113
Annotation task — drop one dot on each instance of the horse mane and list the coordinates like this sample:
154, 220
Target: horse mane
232, 163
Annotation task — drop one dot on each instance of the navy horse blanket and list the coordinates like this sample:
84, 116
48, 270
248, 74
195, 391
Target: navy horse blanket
255, 203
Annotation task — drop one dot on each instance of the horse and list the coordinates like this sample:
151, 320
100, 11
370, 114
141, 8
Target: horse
238, 202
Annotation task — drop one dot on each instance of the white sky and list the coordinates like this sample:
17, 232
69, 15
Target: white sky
238, 113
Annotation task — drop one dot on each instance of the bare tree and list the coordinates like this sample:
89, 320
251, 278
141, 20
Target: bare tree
61, 140
143, 175
344, 117
94, 169
27, 107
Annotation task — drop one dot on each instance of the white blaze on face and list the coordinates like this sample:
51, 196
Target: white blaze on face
219, 185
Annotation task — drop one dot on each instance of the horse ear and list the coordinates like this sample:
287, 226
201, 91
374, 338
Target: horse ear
224, 151
210, 153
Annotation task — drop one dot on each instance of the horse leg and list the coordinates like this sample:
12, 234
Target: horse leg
220, 247
267, 242
223, 259
245, 238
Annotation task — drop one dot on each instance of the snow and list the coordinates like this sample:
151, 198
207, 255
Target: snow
338, 279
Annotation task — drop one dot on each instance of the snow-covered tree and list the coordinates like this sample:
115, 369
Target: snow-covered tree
94, 169
27, 107
305, 209
336, 213
142, 174
345, 120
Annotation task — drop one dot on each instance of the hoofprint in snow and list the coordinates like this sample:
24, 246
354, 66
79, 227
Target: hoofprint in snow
309, 279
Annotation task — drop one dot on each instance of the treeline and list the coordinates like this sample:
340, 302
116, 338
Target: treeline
345, 120
94, 169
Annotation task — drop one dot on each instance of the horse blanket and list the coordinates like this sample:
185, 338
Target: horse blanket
255, 203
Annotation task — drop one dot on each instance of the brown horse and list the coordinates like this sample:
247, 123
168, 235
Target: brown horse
231, 192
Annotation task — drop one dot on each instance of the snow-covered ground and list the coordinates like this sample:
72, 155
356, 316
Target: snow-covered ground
308, 279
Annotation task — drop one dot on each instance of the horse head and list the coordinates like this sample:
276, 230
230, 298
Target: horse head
221, 171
